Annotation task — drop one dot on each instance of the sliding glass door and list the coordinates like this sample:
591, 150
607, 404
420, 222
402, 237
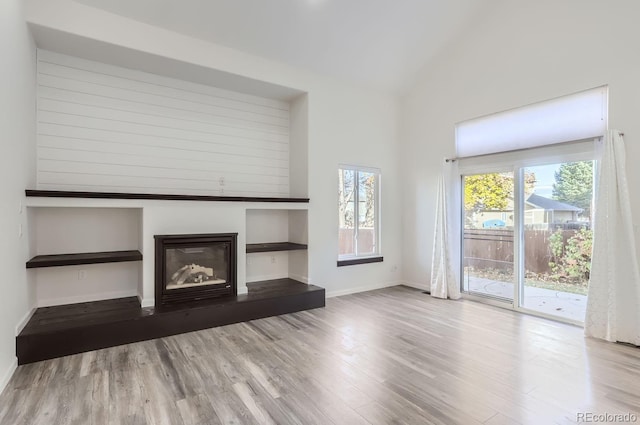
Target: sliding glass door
488, 260
557, 238
527, 237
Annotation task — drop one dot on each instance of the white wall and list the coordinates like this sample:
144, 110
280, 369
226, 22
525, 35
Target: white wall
71, 230
522, 53
83, 283
267, 226
108, 128
17, 171
351, 127
77, 230
346, 124
299, 150
299, 233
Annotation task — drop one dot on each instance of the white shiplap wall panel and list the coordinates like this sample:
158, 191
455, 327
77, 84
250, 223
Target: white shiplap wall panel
153, 114
106, 128
91, 94
57, 166
80, 151
174, 185
70, 126
143, 81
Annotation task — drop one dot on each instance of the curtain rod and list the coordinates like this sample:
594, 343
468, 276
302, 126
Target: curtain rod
520, 150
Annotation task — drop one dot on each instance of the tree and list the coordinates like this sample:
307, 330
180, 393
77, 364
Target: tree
492, 191
366, 183
574, 185
488, 191
346, 192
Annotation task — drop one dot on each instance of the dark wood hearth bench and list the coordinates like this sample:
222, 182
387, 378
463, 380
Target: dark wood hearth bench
70, 329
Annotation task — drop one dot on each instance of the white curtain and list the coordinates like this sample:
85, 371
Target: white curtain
446, 241
613, 305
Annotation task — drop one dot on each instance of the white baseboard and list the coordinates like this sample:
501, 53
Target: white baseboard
364, 288
147, 302
423, 286
87, 298
6, 377
299, 278
25, 319
242, 290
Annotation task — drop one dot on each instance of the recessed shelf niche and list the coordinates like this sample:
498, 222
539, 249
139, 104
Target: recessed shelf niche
276, 245
84, 254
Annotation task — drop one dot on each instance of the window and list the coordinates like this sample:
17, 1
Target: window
527, 183
358, 215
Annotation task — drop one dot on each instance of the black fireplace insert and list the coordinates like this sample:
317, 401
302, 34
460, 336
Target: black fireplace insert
195, 267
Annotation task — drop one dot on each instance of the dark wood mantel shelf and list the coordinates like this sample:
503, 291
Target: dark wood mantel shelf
155, 196
83, 258
274, 246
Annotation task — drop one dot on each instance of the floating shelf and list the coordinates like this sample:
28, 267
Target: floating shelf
274, 246
154, 196
83, 258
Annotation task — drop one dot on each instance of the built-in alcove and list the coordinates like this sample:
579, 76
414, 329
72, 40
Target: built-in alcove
108, 131
124, 155
84, 254
276, 244
110, 128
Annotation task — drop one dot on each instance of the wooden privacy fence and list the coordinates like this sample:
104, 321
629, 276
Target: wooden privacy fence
493, 248
366, 238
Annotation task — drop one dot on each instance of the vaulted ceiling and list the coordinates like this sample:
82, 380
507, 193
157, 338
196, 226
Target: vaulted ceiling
380, 43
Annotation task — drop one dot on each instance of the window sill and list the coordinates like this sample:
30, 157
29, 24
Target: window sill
356, 261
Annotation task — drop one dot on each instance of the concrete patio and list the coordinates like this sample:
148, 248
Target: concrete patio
557, 303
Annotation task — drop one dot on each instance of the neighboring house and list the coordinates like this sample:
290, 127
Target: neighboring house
538, 210
541, 210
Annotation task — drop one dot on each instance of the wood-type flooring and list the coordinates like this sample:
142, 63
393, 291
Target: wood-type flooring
389, 356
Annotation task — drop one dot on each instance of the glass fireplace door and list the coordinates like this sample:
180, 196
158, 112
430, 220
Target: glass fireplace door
195, 267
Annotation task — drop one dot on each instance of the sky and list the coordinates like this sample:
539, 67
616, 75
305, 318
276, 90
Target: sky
544, 179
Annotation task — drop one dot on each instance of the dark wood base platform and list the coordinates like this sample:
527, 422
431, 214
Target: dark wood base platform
70, 329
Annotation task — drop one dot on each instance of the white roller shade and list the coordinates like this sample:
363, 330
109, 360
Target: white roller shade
575, 117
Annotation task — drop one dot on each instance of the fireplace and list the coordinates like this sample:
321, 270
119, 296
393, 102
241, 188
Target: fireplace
195, 267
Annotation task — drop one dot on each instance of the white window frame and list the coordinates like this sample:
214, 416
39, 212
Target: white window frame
356, 213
